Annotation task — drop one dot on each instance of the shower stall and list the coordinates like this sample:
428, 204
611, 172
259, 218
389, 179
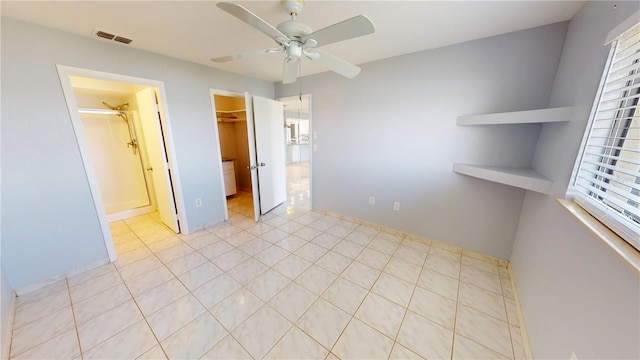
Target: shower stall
112, 136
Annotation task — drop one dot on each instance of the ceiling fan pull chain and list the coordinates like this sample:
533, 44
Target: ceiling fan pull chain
300, 79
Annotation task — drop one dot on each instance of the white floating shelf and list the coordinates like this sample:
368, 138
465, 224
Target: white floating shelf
524, 178
560, 114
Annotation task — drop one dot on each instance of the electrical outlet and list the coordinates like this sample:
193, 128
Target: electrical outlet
372, 200
396, 206
315, 147
315, 134
198, 202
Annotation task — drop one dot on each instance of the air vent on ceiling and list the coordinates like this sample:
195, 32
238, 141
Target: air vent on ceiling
109, 36
105, 35
123, 40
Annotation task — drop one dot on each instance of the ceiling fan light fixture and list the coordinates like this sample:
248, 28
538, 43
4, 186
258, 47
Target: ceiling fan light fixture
294, 51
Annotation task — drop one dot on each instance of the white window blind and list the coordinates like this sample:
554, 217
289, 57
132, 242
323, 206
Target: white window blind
607, 178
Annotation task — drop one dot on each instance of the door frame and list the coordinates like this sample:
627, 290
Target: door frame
64, 73
268, 124
312, 137
212, 93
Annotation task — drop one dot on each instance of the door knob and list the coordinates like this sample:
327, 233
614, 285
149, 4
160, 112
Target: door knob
252, 167
149, 168
262, 164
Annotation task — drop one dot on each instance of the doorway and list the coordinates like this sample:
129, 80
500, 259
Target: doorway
117, 149
297, 117
231, 120
250, 133
123, 142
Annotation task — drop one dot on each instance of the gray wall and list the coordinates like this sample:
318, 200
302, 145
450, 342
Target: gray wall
49, 222
575, 294
391, 133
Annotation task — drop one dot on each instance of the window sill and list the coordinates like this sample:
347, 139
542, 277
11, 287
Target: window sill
627, 253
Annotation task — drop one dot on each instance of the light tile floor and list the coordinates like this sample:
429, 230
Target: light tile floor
299, 284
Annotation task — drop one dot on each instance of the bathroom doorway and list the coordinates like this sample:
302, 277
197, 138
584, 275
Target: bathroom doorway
123, 141
118, 152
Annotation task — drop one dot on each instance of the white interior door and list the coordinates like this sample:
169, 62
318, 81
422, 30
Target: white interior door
269, 129
253, 165
150, 120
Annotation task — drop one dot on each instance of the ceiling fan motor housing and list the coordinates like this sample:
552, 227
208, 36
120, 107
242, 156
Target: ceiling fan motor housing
294, 30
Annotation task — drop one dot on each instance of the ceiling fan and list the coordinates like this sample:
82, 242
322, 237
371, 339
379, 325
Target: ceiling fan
296, 39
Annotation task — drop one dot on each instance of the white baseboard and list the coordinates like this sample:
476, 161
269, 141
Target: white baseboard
87, 267
450, 247
37, 285
523, 329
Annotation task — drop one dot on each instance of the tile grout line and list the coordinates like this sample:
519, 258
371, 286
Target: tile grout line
504, 301
133, 298
353, 316
485, 313
242, 286
290, 281
144, 317
73, 314
265, 303
455, 315
406, 311
206, 310
319, 297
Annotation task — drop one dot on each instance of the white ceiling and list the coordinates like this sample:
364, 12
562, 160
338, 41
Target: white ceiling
197, 30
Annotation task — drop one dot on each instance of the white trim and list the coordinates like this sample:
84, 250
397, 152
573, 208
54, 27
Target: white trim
125, 214
170, 150
612, 241
623, 27
37, 285
523, 329
64, 73
212, 93
86, 267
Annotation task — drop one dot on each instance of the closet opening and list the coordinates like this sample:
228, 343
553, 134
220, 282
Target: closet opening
231, 120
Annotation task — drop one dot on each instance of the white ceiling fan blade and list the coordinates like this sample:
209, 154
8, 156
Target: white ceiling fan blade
252, 19
290, 72
356, 26
245, 55
335, 64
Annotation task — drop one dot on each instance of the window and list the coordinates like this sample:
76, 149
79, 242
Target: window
606, 181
